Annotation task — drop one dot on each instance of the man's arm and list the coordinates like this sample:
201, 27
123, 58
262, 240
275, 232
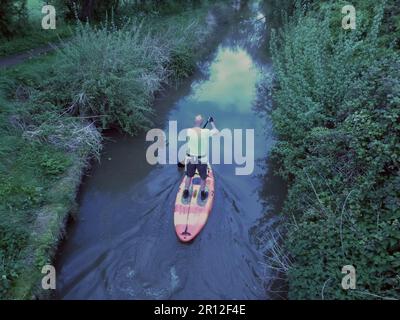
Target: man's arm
214, 129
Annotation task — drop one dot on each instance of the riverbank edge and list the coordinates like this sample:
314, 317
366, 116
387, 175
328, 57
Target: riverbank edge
51, 223
52, 219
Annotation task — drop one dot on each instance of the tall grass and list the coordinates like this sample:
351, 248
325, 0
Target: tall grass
110, 75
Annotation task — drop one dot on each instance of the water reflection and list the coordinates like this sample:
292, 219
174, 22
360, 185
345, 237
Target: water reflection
232, 81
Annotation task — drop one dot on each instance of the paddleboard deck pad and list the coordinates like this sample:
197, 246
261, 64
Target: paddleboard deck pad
191, 214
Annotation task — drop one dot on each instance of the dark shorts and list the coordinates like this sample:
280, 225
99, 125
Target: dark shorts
201, 168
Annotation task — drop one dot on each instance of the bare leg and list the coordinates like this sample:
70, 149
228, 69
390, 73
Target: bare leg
187, 182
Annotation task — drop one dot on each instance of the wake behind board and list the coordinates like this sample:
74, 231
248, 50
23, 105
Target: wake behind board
191, 214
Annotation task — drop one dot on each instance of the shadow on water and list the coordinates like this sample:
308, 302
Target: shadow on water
122, 244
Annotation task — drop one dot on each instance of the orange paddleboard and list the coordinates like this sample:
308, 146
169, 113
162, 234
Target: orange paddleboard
191, 214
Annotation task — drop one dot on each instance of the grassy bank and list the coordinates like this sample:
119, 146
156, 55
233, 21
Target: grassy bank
52, 112
337, 114
35, 39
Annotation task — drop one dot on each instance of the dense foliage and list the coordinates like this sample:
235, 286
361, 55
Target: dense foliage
337, 115
112, 74
93, 10
96, 10
13, 15
21, 20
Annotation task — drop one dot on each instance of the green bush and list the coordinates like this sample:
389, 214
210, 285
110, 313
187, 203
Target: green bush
160, 7
337, 115
13, 17
111, 76
85, 10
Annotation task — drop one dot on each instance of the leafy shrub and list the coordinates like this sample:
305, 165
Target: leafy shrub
91, 10
111, 76
337, 115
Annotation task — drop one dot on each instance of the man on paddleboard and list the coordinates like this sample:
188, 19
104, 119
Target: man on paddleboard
198, 142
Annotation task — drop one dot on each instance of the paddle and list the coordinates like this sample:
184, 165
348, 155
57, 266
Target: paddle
182, 165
